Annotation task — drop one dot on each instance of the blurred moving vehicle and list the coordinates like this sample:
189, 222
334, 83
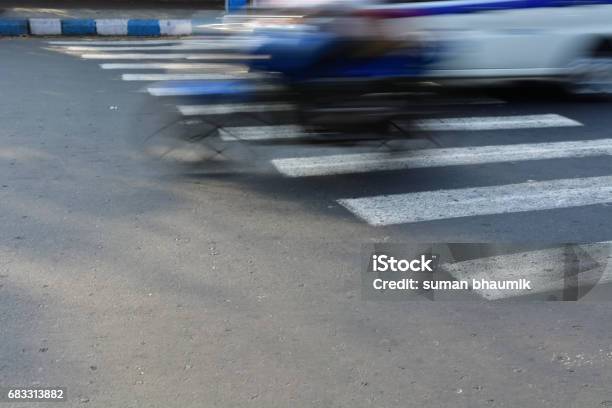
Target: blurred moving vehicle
346, 72
488, 41
334, 72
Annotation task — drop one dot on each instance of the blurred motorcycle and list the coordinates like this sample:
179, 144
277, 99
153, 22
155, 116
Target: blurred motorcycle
339, 81
337, 73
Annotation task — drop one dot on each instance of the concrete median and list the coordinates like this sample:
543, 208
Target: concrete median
95, 27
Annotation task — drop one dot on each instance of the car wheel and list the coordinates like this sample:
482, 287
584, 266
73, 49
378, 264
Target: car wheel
592, 75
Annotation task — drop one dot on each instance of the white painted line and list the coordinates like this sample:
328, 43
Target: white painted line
175, 27
458, 156
174, 47
114, 42
501, 122
145, 56
254, 133
180, 77
218, 109
468, 202
496, 122
545, 269
45, 26
228, 68
128, 42
114, 26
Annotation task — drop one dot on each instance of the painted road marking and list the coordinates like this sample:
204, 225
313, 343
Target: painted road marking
416, 159
114, 42
145, 56
253, 133
177, 66
467, 202
182, 46
224, 109
474, 123
496, 122
181, 77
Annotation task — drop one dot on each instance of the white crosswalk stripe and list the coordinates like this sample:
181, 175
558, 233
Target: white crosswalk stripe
165, 47
476, 123
467, 202
222, 109
152, 42
114, 42
261, 133
182, 77
496, 122
461, 156
168, 56
183, 66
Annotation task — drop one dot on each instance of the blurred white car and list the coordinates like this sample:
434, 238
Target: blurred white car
492, 40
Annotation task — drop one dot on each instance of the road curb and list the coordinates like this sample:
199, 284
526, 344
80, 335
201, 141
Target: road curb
92, 27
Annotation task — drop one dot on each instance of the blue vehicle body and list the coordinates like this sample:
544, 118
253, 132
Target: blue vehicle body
305, 56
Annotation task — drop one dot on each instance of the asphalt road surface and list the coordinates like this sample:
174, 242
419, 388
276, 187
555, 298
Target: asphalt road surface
136, 281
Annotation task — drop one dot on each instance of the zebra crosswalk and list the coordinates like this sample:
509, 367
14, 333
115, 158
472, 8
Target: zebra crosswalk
176, 60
